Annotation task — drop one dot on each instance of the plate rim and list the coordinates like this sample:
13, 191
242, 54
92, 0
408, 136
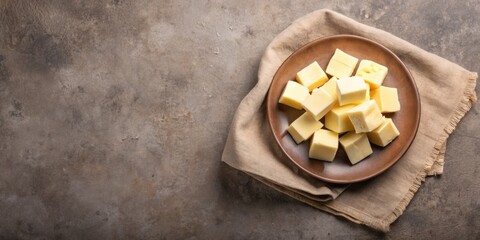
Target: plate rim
388, 166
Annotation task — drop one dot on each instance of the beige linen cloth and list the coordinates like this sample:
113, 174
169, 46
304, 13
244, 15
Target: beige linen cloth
447, 92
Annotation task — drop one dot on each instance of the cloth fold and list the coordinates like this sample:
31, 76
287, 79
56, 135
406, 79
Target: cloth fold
378, 202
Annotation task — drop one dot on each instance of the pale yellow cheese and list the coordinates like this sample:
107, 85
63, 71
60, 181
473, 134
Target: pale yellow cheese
351, 90
303, 127
368, 93
384, 134
356, 146
312, 76
324, 145
331, 87
337, 119
294, 94
365, 117
351, 105
318, 104
338, 69
372, 72
341, 64
386, 99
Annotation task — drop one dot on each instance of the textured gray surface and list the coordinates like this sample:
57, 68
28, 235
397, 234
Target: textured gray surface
114, 113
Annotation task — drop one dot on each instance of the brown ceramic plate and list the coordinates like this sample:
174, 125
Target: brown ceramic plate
340, 170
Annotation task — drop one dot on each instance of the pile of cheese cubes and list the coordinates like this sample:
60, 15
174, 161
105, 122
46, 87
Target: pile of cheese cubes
350, 105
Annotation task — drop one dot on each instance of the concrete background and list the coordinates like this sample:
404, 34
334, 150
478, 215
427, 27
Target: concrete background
114, 114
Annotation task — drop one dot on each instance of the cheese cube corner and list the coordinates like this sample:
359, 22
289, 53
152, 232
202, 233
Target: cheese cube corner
372, 72
356, 146
294, 94
365, 117
318, 104
351, 90
303, 127
384, 134
337, 119
331, 87
312, 76
341, 64
324, 145
386, 99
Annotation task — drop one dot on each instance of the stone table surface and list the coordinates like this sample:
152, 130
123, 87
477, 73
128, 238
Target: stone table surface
114, 114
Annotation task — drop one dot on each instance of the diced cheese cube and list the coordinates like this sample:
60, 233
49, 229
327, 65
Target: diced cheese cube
312, 76
356, 146
372, 72
318, 104
351, 90
345, 58
384, 134
294, 94
337, 119
338, 69
365, 117
386, 99
303, 127
324, 145
341, 64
